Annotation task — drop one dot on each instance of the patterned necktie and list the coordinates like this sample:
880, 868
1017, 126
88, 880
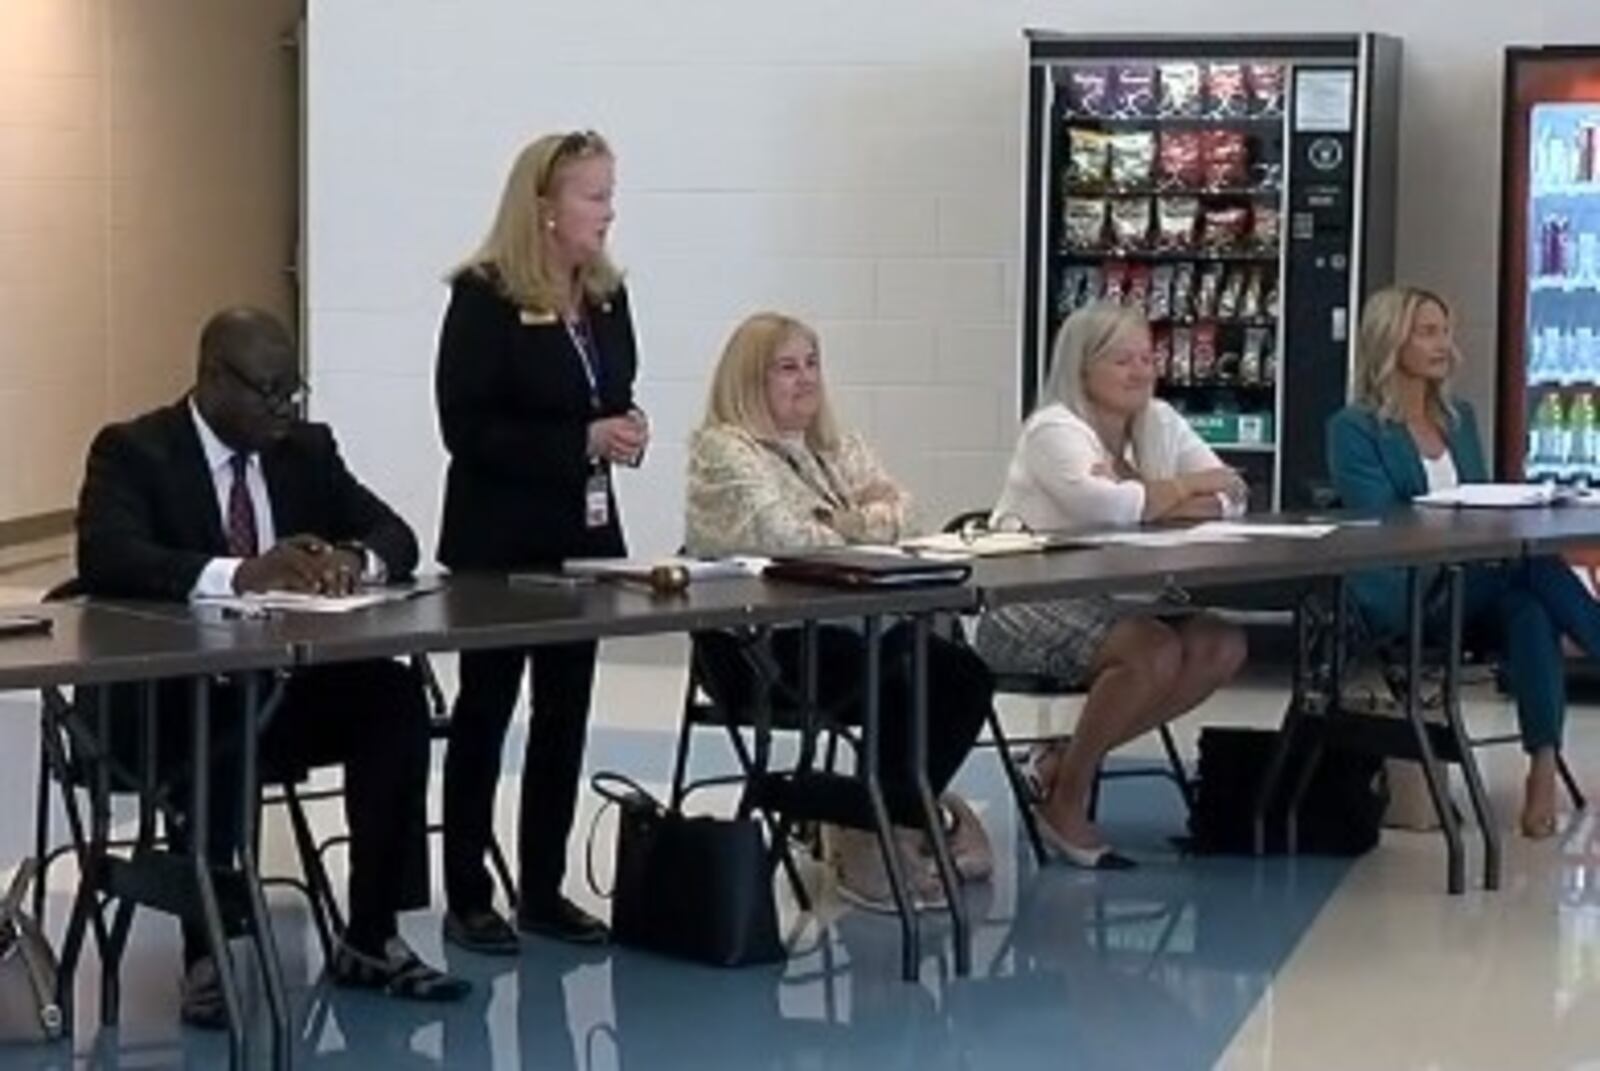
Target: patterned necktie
242, 539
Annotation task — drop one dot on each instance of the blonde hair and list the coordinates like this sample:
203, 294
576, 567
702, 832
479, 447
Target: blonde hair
738, 396
1387, 320
1086, 336
516, 255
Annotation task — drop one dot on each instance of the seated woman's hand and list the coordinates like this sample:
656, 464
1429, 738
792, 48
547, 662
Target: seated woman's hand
1218, 481
878, 491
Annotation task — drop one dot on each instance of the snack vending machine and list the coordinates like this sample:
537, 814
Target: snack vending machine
1549, 383
1239, 190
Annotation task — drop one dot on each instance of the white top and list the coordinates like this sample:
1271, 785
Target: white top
217, 577
1440, 471
1062, 475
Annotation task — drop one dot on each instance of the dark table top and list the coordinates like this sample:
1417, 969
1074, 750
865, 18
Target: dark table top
1544, 531
97, 645
1402, 538
476, 612
136, 641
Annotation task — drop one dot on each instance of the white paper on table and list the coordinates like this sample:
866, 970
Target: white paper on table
1250, 529
259, 603
1495, 496
640, 568
1165, 537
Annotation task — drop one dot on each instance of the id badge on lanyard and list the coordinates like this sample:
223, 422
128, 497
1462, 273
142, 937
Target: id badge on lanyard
597, 488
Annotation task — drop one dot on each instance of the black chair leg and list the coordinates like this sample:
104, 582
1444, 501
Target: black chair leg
1579, 802
680, 761
324, 910
1019, 788
1180, 773
502, 871
41, 829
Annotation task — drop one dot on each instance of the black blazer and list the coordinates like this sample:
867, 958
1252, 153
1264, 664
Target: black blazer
514, 409
148, 520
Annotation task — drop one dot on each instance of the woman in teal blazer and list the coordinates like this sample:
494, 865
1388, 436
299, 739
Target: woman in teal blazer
1404, 436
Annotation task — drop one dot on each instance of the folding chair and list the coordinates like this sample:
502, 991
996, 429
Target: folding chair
1047, 688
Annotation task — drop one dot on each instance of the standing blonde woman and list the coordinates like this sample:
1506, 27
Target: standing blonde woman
535, 393
1103, 450
1404, 436
770, 471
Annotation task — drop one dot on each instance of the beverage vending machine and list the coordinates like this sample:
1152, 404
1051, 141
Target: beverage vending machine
1549, 343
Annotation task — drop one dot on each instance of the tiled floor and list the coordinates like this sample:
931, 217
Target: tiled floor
1183, 963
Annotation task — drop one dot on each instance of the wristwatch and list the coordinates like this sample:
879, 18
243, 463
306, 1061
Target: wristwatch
373, 569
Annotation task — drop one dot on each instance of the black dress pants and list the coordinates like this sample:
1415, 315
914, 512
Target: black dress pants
960, 698
563, 683
371, 717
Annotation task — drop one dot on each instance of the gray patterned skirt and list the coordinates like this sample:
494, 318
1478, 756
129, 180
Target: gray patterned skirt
1061, 638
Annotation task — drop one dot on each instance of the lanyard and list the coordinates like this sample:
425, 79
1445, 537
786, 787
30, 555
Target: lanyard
832, 494
588, 355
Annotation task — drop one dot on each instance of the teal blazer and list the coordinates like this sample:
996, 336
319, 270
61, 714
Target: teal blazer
1375, 466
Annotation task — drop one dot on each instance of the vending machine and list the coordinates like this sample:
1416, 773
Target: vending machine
1240, 190
1549, 344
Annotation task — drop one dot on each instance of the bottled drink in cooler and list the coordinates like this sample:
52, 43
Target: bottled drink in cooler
1547, 437
1581, 452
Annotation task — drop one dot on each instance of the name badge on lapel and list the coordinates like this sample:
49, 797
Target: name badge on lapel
530, 318
597, 500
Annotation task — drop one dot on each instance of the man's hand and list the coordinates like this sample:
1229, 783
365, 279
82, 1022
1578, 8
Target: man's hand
301, 563
286, 567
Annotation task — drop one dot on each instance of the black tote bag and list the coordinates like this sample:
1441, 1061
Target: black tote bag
696, 888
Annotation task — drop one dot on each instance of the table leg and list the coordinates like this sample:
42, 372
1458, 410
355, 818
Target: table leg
930, 807
85, 900
200, 849
1271, 778
144, 840
910, 932
261, 919
1482, 809
1432, 772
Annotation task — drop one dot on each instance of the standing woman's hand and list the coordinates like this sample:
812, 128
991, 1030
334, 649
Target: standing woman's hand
618, 439
642, 424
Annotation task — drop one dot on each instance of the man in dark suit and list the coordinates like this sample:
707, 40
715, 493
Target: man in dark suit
227, 492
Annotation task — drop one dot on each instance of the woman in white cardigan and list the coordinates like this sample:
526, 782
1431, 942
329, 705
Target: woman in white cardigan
1101, 450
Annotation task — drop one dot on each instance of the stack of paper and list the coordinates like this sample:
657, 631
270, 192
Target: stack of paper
1265, 529
1496, 496
263, 603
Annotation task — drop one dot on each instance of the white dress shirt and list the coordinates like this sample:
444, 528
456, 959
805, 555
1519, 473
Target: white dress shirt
217, 577
1061, 474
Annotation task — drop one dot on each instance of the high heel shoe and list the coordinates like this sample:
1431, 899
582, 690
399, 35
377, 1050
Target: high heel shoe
1101, 858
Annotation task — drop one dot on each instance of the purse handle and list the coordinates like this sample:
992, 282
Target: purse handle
619, 791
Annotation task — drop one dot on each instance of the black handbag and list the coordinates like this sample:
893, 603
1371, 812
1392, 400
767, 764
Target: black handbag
697, 888
1342, 812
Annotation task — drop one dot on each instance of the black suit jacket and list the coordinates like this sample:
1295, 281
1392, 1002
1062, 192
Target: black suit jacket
514, 407
148, 520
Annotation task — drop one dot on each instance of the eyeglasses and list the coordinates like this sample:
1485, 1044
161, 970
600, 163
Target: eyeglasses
573, 145
278, 400
1004, 523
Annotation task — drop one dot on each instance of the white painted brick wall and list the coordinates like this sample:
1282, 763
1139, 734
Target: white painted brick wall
857, 163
